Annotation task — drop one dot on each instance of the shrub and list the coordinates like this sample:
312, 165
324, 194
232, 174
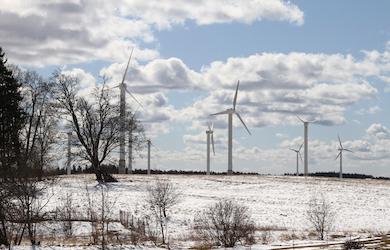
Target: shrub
225, 224
351, 244
321, 215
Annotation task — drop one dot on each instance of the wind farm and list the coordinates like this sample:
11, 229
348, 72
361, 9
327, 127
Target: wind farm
194, 125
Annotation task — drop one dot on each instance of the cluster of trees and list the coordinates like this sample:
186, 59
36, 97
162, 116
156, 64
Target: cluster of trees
346, 175
32, 112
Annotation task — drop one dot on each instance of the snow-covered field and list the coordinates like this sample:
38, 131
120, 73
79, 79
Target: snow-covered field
279, 203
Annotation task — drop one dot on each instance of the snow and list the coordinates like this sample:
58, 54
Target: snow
277, 202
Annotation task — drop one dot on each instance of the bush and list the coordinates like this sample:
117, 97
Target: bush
321, 215
351, 244
225, 224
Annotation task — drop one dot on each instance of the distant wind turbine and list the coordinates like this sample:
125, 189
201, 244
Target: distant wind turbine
230, 113
149, 145
341, 149
306, 146
210, 137
298, 152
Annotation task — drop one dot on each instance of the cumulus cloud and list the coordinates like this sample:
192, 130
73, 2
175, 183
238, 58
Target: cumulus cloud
157, 75
378, 131
41, 33
203, 12
275, 87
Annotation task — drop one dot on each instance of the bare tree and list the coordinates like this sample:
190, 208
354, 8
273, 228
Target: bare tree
225, 224
136, 137
39, 131
94, 121
162, 196
22, 209
66, 212
99, 210
321, 215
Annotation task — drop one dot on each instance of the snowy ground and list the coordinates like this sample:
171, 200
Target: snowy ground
279, 203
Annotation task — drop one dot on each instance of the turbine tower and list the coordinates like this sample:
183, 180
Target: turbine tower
306, 146
210, 137
230, 113
69, 155
298, 152
341, 149
149, 144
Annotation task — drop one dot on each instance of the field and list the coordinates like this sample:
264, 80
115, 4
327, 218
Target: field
278, 204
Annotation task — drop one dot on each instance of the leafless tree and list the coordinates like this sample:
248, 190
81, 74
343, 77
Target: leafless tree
40, 131
94, 121
22, 209
225, 224
136, 135
100, 206
321, 215
66, 213
162, 196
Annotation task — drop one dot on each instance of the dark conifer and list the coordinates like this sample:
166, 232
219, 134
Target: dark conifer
11, 119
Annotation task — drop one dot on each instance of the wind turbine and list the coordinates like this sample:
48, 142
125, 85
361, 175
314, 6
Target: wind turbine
122, 116
230, 113
298, 152
341, 149
306, 146
210, 137
149, 145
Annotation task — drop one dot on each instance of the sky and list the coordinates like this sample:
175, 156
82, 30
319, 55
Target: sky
327, 61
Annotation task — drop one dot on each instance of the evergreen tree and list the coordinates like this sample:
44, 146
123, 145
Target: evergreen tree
11, 120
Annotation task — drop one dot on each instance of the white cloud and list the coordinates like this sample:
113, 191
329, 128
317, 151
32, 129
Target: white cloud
163, 14
378, 131
41, 33
157, 75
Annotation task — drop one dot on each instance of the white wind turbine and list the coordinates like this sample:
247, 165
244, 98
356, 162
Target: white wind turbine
149, 145
230, 113
210, 138
122, 115
341, 149
298, 152
306, 146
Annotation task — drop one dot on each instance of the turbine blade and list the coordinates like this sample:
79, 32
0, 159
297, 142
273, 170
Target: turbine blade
338, 155
300, 156
127, 66
212, 142
235, 96
300, 119
208, 125
348, 150
221, 113
212, 126
341, 146
292, 150
300, 147
135, 99
239, 117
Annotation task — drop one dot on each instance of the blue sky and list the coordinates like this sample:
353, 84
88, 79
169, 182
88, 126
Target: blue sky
328, 60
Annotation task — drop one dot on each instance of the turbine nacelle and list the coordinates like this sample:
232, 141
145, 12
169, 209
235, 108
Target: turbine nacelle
233, 110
